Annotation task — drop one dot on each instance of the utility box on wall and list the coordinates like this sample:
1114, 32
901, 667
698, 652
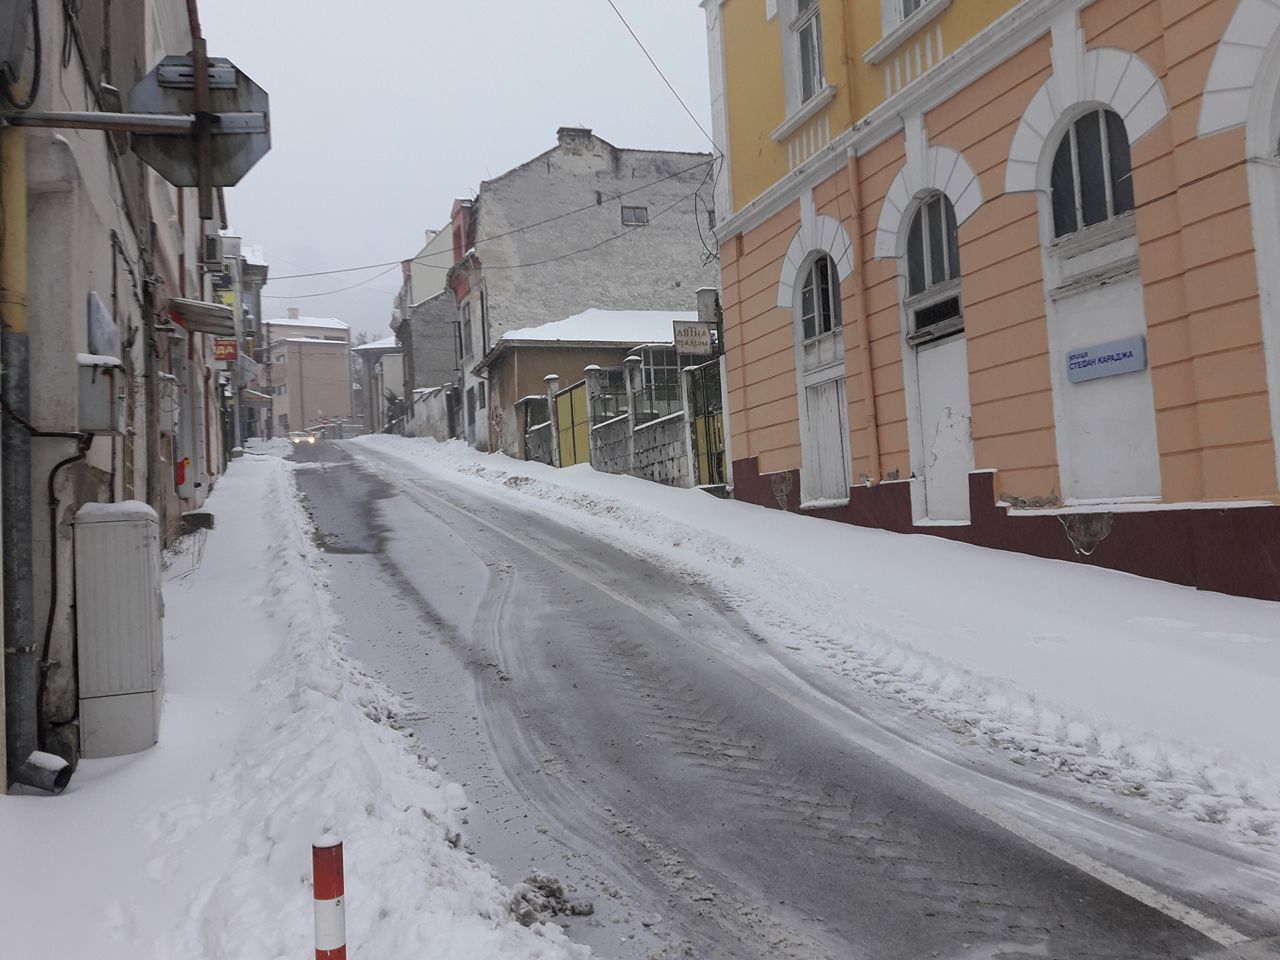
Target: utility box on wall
102, 399
119, 634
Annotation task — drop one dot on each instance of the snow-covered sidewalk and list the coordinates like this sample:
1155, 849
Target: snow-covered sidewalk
1130, 685
200, 847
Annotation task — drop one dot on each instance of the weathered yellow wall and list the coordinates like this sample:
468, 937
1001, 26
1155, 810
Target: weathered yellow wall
754, 81
756, 99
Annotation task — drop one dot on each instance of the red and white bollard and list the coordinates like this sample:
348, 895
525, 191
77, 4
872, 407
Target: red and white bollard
331, 908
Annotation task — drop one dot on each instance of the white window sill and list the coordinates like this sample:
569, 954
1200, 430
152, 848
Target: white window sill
805, 112
899, 35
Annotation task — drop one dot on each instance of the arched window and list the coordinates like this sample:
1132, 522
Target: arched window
933, 267
1092, 177
820, 299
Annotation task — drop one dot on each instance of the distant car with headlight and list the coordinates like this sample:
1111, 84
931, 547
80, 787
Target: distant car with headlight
298, 436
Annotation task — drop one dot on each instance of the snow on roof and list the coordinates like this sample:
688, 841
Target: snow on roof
331, 322
606, 326
386, 343
253, 254
332, 343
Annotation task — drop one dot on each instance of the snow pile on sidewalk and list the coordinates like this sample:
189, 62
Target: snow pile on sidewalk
1139, 687
271, 738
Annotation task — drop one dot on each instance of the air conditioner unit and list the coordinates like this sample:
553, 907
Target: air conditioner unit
211, 252
119, 637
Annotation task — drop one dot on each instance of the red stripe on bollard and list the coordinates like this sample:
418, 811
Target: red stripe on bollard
327, 881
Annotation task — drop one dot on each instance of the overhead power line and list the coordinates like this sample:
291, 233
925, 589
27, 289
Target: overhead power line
673, 90
328, 293
506, 233
511, 266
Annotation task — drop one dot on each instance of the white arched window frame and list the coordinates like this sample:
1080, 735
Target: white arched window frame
819, 298
818, 262
1091, 176
1102, 254
932, 262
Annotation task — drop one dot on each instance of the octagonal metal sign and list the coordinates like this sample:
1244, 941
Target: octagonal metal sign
241, 135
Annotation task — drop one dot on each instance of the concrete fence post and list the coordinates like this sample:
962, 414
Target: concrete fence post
592, 375
686, 402
553, 387
330, 898
724, 420
631, 368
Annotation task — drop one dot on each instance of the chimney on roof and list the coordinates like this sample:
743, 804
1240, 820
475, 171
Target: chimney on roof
574, 136
293, 313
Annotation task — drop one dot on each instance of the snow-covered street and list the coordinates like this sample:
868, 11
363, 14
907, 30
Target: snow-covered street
701, 726
554, 713
271, 736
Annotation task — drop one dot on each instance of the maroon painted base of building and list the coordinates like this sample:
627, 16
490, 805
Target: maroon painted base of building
1235, 551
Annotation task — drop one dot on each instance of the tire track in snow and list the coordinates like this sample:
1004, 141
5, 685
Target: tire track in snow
725, 758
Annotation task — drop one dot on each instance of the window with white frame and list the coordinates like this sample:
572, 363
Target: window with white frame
635, 216
659, 393
819, 299
933, 268
1092, 179
911, 6
807, 28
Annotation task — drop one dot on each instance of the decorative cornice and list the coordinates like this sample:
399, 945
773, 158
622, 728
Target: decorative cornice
806, 111
1000, 41
904, 31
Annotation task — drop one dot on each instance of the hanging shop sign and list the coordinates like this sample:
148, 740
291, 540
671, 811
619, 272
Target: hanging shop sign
226, 349
1107, 359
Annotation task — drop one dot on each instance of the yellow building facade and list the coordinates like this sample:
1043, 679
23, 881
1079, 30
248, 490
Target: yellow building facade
991, 271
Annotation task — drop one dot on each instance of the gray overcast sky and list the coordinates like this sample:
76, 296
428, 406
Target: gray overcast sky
383, 111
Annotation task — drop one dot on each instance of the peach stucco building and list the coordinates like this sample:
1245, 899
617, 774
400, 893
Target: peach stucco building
1008, 272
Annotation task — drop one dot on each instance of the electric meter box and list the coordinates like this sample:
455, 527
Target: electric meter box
119, 627
102, 394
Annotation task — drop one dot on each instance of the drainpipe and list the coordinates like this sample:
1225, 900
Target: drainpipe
22, 658
4, 428
151, 389
864, 334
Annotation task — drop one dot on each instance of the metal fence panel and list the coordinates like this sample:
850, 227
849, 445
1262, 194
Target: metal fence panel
707, 423
573, 425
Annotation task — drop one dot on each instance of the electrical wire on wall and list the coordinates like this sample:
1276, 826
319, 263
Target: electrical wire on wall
424, 261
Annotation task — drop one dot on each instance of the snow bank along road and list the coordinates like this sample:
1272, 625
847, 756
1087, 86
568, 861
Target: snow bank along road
735, 808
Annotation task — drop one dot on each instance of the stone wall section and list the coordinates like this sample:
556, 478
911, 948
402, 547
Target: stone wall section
661, 452
539, 444
611, 446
